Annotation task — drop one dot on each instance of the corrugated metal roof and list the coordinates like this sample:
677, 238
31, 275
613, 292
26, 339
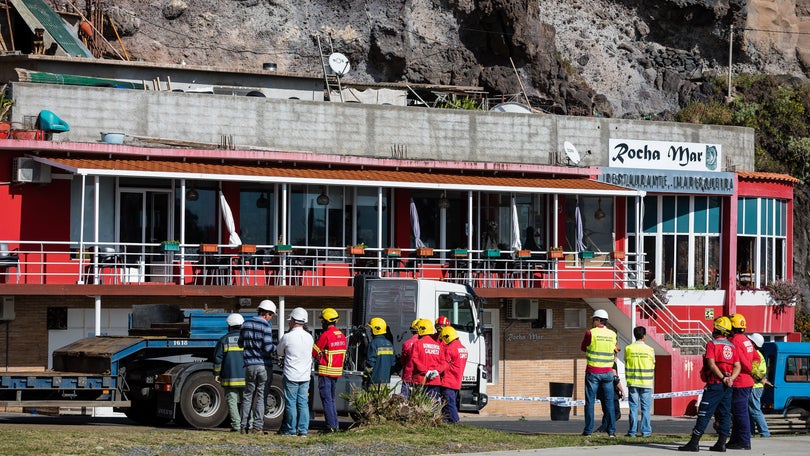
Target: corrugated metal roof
752, 175
332, 176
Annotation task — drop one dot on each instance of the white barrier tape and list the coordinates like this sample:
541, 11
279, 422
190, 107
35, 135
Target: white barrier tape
568, 402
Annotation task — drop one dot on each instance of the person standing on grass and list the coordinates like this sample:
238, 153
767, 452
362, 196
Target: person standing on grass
295, 348
639, 370
256, 338
380, 357
760, 374
329, 352
405, 360
456, 359
740, 420
428, 359
229, 368
599, 345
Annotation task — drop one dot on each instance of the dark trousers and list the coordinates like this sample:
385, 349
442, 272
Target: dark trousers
716, 396
740, 420
326, 388
450, 410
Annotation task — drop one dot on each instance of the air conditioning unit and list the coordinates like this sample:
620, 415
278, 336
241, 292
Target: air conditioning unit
7, 308
522, 309
28, 170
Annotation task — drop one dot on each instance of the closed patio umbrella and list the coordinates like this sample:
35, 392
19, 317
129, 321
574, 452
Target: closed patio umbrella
417, 231
578, 217
516, 244
227, 217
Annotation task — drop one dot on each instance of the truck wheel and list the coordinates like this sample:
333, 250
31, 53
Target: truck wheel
273, 408
803, 413
202, 401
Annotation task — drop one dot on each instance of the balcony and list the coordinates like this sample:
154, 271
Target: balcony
239, 268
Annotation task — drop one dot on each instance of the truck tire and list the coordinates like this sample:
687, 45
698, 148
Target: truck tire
202, 401
274, 406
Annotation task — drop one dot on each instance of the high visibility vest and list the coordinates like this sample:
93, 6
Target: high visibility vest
601, 351
759, 370
639, 367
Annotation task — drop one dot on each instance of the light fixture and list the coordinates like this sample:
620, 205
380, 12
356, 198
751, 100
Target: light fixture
599, 214
192, 194
262, 202
444, 203
323, 198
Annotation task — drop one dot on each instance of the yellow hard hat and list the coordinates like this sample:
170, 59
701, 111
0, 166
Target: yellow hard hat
425, 327
377, 325
722, 324
413, 325
448, 334
738, 322
329, 315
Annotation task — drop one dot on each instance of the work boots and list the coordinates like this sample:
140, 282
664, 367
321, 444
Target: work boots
720, 446
692, 445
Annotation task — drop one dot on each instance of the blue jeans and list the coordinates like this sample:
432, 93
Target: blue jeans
603, 382
758, 423
253, 396
326, 388
639, 396
450, 409
296, 415
740, 421
716, 396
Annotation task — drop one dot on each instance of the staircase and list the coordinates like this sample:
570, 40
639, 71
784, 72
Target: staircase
687, 336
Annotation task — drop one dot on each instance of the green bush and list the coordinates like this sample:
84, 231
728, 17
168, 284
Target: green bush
698, 112
378, 405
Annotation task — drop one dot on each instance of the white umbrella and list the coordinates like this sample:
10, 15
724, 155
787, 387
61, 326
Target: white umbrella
417, 231
516, 245
578, 217
227, 216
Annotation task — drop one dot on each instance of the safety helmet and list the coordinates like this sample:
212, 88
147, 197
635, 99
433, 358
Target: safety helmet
425, 327
299, 315
722, 324
738, 322
757, 339
442, 321
268, 305
235, 319
377, 325
329, 315
413, 325
448, 334
600, 313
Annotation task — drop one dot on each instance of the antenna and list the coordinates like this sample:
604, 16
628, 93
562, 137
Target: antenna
571, 152
339, 64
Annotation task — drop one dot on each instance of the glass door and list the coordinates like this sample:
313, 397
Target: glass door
144, 219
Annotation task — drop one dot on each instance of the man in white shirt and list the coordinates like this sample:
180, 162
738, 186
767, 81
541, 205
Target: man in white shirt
295, 347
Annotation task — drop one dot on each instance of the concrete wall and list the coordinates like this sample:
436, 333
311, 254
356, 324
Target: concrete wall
360, 130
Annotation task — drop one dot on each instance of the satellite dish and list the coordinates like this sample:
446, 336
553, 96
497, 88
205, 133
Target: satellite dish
511, 106
572, 153
339, 64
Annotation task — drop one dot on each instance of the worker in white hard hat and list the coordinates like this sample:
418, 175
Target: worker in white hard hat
759, 371
229, 368
599, 345
295, 347
256, 338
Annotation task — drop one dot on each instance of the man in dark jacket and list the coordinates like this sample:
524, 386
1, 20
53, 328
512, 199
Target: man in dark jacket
256, 337
380, 356
229, 368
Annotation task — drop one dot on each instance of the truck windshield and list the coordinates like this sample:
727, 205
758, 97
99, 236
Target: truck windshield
458, 310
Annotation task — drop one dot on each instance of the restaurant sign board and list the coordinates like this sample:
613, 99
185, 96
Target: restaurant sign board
658, 155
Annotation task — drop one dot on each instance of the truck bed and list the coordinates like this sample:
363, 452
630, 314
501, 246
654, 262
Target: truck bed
93, 354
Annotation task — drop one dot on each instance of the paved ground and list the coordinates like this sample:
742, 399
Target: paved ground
575, 424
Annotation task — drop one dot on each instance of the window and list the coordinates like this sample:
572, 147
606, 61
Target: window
761, 241
459, 310
574, 318
796, 369
490, 321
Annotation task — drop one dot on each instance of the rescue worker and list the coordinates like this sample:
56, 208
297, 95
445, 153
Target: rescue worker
405, 359
256, 338
441, 322
295, 348
744, 383
428, 359
599, 345
760, 374
380, 356
721, 366
456, 359
639, 370
329, 352
229, 368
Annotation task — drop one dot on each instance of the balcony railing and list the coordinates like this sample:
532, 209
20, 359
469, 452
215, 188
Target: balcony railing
292, 265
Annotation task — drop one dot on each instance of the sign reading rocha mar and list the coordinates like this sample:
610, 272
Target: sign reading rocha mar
633, 153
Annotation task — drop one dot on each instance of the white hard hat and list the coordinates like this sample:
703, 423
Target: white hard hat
299, 315
757, 339
268, 305
600, 313
235, 319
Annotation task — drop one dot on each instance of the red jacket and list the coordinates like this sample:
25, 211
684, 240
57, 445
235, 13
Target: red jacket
747, 354
405, 358
456, 358
329, 351
724, 354
428, 354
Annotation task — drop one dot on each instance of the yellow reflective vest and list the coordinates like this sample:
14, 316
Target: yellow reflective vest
602, 349
639, 367
759, 370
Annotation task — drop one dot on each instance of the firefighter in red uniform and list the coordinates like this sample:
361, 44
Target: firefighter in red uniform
428, 359
405, 359
741, 393
456, 359
329, 352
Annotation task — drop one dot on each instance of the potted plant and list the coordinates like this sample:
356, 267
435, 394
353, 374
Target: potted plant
424, 251
170, 246
283, 248
393, 252
618, 255
461, 252
357, 249
523, 253
556, 253
784, 294
586, 254
492, 253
